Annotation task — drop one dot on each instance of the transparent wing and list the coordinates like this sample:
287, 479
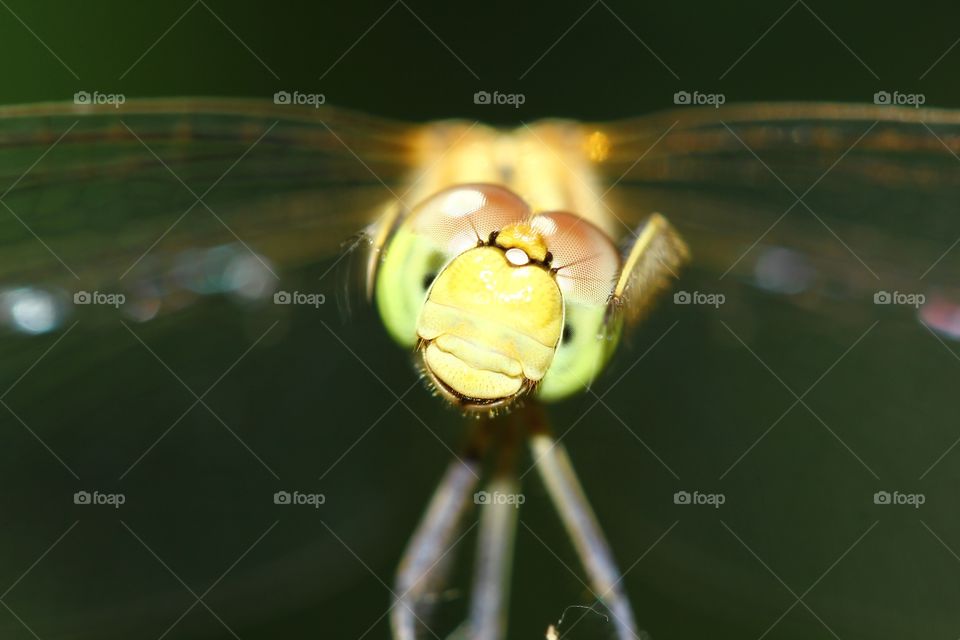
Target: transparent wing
825, 205
165, 202
169, 197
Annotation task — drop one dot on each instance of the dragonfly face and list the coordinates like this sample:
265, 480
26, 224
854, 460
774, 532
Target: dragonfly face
482, 285
492, 320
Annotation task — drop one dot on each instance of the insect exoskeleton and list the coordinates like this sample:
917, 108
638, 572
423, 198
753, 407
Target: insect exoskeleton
495, 297
492, 319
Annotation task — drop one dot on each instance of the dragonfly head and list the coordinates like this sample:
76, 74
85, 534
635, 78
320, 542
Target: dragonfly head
497, 300
492, 319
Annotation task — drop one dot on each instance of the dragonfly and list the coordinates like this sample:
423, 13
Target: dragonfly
489, 326
512, 264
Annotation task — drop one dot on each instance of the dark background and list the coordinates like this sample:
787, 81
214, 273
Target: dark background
796, 503
597, 69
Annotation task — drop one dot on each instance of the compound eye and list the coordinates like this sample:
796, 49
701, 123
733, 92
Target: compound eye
456, 219
584, 258
437, 230
587, 264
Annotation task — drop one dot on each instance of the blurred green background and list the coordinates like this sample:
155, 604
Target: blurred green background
424, 61
794, 506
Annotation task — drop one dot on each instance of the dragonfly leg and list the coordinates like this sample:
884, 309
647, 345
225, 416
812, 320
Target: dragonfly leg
490, 594
426, 560
553, 463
